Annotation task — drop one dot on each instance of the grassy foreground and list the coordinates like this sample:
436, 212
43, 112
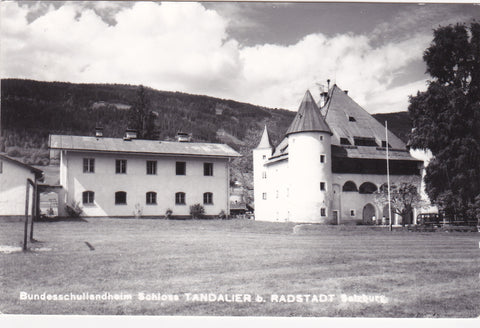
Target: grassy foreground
402, 274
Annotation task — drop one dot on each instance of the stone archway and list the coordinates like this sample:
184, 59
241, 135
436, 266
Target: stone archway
368, 214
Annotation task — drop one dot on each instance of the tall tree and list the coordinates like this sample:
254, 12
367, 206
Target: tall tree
446, 118
141, 117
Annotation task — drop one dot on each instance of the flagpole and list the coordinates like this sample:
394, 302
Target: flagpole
388, 180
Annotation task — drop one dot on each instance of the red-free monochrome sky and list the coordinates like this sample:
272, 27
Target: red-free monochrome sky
265, 53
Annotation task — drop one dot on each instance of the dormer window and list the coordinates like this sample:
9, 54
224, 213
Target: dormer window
344, 141
351, 119
364, 141
384, 144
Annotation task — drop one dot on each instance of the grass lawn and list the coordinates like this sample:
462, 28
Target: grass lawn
412, 274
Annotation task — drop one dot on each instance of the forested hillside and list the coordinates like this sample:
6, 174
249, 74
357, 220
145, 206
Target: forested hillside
31, 110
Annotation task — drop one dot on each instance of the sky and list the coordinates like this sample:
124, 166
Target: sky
266, 53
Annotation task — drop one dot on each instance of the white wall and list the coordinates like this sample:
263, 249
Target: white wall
105, 182
356, 201
306, 172
13, 181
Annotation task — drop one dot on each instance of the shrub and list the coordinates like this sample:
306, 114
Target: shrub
74, 210
138, 211
222, 215
197, 211
168, 214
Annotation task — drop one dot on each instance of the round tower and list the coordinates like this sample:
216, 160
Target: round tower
309, 165
260, 177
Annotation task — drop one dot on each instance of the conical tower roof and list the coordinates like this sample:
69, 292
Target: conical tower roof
265, 142
308, 118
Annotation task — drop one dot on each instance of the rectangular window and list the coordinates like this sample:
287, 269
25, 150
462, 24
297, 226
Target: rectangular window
323, 211
208, 169
151, 198
88, 165
264, 175
322, 158
264, 196
88, 197
180, 168
120, 198
264, 157
151, 167
352, 212
121, 166
208, 198
322, 185
180, 198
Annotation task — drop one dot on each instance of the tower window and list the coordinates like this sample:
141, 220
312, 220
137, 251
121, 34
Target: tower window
323, 211
264, 196
322, 186
322, 158
352, 212
264, 175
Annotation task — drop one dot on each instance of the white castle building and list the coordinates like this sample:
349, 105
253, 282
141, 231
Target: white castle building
329, 164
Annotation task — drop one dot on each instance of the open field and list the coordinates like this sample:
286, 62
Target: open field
413, 274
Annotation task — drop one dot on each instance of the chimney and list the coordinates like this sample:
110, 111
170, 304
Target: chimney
130, 134
183, 137
98, 132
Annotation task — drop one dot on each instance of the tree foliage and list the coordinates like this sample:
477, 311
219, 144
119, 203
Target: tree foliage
404, 197
141, 117
446, 118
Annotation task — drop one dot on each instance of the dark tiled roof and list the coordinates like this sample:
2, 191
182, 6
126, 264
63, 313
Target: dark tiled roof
139, 146
308, 117
347, 119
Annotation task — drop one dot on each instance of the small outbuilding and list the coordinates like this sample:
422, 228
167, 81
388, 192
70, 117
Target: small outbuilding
15, 178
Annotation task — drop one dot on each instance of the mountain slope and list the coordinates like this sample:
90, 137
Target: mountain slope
31, 110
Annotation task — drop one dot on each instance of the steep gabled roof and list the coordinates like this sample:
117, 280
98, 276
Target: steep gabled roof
265, 142
348, 120
308, 117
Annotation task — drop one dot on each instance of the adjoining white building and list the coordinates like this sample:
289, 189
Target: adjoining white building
329, 164
14, 177
133, 177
